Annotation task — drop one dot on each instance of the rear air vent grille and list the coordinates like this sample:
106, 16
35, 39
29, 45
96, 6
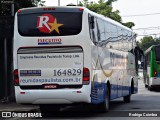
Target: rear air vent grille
66, 49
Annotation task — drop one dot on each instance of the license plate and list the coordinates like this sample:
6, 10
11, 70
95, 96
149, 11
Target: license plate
50, 86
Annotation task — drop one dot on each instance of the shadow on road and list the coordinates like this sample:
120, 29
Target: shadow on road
84, 112
156, 89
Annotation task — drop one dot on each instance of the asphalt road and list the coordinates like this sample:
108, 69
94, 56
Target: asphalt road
144, 106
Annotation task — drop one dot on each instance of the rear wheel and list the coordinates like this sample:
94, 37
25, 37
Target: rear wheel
104, 107
150, 88
127, 98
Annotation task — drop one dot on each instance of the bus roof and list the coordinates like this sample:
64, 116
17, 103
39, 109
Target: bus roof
49, 9
110, 20
149, 49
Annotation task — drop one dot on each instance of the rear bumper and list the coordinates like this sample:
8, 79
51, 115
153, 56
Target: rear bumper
54, 96
154, 81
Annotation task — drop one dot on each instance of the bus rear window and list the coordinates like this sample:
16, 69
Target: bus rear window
50, 24
157, 51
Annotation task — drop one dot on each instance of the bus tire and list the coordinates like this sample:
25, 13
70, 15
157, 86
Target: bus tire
150, 88
49, 109
127, 98
104, 107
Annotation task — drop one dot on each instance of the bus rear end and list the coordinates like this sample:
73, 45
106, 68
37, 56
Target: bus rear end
49, 54
155, 67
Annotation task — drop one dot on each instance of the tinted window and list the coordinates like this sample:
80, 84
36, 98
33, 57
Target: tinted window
147, 57
157, 51
94, 31
50, 24
100, 26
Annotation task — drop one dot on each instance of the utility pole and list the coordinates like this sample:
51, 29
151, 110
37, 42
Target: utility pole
6, 97
58, 2
12, 8
77, 2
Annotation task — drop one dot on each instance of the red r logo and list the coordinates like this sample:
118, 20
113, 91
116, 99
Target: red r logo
47, 23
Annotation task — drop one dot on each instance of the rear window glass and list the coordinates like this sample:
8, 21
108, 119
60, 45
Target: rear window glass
157, 51
50, 24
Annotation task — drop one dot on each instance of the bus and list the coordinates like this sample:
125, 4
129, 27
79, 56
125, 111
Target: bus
151, 67
71, 55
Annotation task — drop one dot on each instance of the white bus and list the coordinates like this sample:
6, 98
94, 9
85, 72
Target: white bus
71, 55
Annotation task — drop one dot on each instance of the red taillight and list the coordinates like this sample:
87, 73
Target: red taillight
155, 73
22, 92
19, 11
86, 76
16, 72
81, 9
16, 78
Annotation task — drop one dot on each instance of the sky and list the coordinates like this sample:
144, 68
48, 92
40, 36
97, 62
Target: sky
147, 22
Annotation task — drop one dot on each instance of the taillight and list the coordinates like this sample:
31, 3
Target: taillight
86, 76
80, 9
155, 73
19, 11
16, 78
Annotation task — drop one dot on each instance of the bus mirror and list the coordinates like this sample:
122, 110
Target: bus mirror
92, 22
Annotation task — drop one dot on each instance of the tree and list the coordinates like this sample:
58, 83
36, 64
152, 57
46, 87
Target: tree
105, 8
39, 2
109, 2
147, 42
5, 8
129, 24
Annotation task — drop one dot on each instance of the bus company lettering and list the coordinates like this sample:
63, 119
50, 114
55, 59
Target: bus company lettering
49, 41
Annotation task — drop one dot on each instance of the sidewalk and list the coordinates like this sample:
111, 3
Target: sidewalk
14, 107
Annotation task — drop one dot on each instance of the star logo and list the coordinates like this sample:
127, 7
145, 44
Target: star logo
55, 26
47, 23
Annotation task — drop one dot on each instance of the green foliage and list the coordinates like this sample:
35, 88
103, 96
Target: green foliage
129, 24
80, 3
109, 2
39, 2
105, 8
147, 42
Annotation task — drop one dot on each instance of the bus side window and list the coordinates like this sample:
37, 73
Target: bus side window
91, 22
146, 62
101, 30
93, 29
107, 30
148, 58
